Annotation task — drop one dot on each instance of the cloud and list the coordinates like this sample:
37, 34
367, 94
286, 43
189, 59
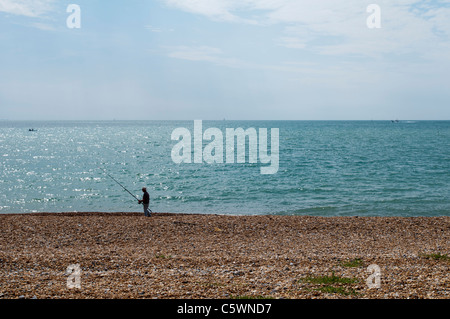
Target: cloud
43, 26
308, 73
196, 53
213, 9
153, 29
204, 53
332, 27
28, 8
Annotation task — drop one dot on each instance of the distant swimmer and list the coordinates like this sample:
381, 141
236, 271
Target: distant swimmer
146, 202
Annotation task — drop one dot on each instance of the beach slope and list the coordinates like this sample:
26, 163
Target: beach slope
126, 255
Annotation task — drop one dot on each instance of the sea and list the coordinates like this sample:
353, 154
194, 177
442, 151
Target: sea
326, 168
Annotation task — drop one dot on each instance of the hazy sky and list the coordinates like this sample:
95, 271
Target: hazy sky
234, 59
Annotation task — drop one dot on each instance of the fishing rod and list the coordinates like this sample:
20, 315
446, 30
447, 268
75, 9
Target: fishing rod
118, 183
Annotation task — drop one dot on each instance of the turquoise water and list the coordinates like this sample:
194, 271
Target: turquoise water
329, 168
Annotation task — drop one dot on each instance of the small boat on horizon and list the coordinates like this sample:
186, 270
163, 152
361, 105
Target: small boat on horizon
32, 130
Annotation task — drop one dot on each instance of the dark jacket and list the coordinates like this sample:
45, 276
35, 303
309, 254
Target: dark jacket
146, 198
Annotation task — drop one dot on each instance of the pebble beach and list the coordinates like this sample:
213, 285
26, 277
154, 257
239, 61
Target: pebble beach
168, 256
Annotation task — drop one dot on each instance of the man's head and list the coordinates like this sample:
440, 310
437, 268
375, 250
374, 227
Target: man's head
144, 189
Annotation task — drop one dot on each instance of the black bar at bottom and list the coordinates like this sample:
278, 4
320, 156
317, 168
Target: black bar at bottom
221, 308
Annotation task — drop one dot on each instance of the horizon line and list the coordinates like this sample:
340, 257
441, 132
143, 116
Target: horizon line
221, 120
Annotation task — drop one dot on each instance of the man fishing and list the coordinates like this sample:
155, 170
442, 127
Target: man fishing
145, 199
146, 202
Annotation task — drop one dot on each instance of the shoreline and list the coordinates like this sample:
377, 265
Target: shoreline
139, 213
209, 256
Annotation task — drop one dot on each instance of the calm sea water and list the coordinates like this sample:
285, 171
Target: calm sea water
330, 168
